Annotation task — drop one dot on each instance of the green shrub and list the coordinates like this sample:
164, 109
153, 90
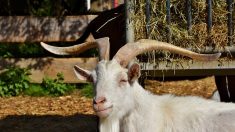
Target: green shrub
14, 81
35, 90
86, 90
56, 87
44, 8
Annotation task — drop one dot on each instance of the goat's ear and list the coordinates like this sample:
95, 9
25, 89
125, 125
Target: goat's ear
83, 74
133, 72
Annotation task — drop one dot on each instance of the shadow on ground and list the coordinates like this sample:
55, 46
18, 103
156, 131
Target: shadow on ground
49, 123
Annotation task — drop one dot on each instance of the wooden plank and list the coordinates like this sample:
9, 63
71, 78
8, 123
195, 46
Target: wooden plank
41, 67
47, 29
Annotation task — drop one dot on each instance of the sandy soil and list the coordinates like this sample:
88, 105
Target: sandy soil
74, 113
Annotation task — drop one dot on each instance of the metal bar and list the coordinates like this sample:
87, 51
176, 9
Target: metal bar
188, 72
130, 36
113, 3
88, 3
189, 68
185, 64
168, 19
230, 21
209, 16
189, 15
148, 15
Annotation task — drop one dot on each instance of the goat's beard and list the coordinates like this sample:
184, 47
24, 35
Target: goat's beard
109, 125
112, 122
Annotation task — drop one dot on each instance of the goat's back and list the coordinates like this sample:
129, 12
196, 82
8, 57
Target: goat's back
168, 113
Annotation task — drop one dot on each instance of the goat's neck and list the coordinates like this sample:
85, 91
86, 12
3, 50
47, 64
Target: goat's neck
109, 125
140, 94
142, 101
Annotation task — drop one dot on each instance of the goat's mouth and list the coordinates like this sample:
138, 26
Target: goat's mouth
103, 111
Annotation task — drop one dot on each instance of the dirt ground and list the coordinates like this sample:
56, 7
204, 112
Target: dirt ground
74, 113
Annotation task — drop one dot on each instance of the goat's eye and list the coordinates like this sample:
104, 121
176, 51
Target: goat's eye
123, 81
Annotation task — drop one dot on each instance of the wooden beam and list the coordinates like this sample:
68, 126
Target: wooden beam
47, 29
42, 67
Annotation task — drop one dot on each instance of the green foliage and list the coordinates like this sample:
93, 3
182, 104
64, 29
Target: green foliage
29, 50
56, 87
42, 8
50, 87
21, 50
86, 90
5, 50
14, 81
35, 90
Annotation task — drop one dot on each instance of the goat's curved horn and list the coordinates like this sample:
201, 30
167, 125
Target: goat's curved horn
102, 44
131, 50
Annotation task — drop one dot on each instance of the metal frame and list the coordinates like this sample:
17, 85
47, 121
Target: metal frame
189, 67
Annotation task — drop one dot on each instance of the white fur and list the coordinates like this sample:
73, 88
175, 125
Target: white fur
216, 96
137, 110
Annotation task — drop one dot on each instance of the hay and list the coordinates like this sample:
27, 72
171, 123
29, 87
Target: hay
199, 37
202, 87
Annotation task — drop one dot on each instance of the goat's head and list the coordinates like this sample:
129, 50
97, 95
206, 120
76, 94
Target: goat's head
114, 81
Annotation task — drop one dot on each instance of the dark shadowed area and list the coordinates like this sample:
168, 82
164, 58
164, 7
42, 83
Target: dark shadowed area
49, 123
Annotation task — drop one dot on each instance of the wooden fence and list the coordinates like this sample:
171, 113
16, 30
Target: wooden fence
46, 29
52, 29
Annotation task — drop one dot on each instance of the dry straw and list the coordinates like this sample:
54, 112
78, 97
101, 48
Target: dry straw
199, 37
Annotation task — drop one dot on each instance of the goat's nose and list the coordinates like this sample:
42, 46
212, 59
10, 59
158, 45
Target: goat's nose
99, 100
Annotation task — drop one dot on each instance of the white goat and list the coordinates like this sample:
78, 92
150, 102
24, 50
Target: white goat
123, 105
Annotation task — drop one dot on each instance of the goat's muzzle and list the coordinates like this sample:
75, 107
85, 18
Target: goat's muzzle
101, 108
